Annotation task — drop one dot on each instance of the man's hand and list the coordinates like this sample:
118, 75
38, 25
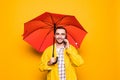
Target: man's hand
52, 61
67, 43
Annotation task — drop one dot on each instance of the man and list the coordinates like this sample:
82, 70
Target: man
68, 57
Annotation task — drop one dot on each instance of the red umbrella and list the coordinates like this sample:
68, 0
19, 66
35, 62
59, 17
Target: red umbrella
39, 32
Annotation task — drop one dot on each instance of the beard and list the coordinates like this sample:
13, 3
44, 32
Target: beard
59, 42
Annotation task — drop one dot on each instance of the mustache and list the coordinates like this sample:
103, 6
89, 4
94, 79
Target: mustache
60, 38
59, 42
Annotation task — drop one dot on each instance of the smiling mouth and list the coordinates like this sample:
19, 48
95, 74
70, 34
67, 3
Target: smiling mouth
59, 41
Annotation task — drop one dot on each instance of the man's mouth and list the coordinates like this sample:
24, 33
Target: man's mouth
59, 39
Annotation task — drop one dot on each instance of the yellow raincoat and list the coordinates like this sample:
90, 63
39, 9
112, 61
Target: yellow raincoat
71, 57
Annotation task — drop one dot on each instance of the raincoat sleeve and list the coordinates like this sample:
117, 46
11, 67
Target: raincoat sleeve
75, 58
44, 60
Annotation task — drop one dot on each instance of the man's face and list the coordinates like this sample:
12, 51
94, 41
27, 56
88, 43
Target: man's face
60, 35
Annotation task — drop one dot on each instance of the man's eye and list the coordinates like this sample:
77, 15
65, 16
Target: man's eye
62, 34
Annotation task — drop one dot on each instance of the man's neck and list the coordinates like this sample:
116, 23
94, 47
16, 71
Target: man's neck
59, 45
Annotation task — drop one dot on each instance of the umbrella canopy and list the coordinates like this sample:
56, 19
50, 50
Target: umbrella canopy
39, 32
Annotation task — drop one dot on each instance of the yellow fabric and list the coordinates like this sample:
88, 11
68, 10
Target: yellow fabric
71, 57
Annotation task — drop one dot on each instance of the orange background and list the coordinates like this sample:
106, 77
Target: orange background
100, 48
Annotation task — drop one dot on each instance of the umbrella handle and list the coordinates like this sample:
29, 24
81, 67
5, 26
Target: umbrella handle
56, 60
53, 49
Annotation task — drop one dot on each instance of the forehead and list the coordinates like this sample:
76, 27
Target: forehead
60, 31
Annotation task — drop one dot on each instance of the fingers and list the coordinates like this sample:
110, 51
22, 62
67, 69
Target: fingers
67, 43
52, 61
66, 40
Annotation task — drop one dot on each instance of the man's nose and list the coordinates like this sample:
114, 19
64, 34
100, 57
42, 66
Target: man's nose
59, 36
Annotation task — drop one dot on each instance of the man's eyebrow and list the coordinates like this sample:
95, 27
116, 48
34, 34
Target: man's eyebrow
60, 33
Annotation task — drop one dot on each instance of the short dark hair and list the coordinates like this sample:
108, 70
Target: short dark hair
60, 27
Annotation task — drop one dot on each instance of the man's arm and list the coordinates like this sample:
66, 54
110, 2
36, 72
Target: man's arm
44, 61
75, 58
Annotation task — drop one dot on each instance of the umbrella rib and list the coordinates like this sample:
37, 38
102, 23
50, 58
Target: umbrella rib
69, 24
51, 18
60, 20
47, 23
71, 36
81, 28
35, 30
45, 38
